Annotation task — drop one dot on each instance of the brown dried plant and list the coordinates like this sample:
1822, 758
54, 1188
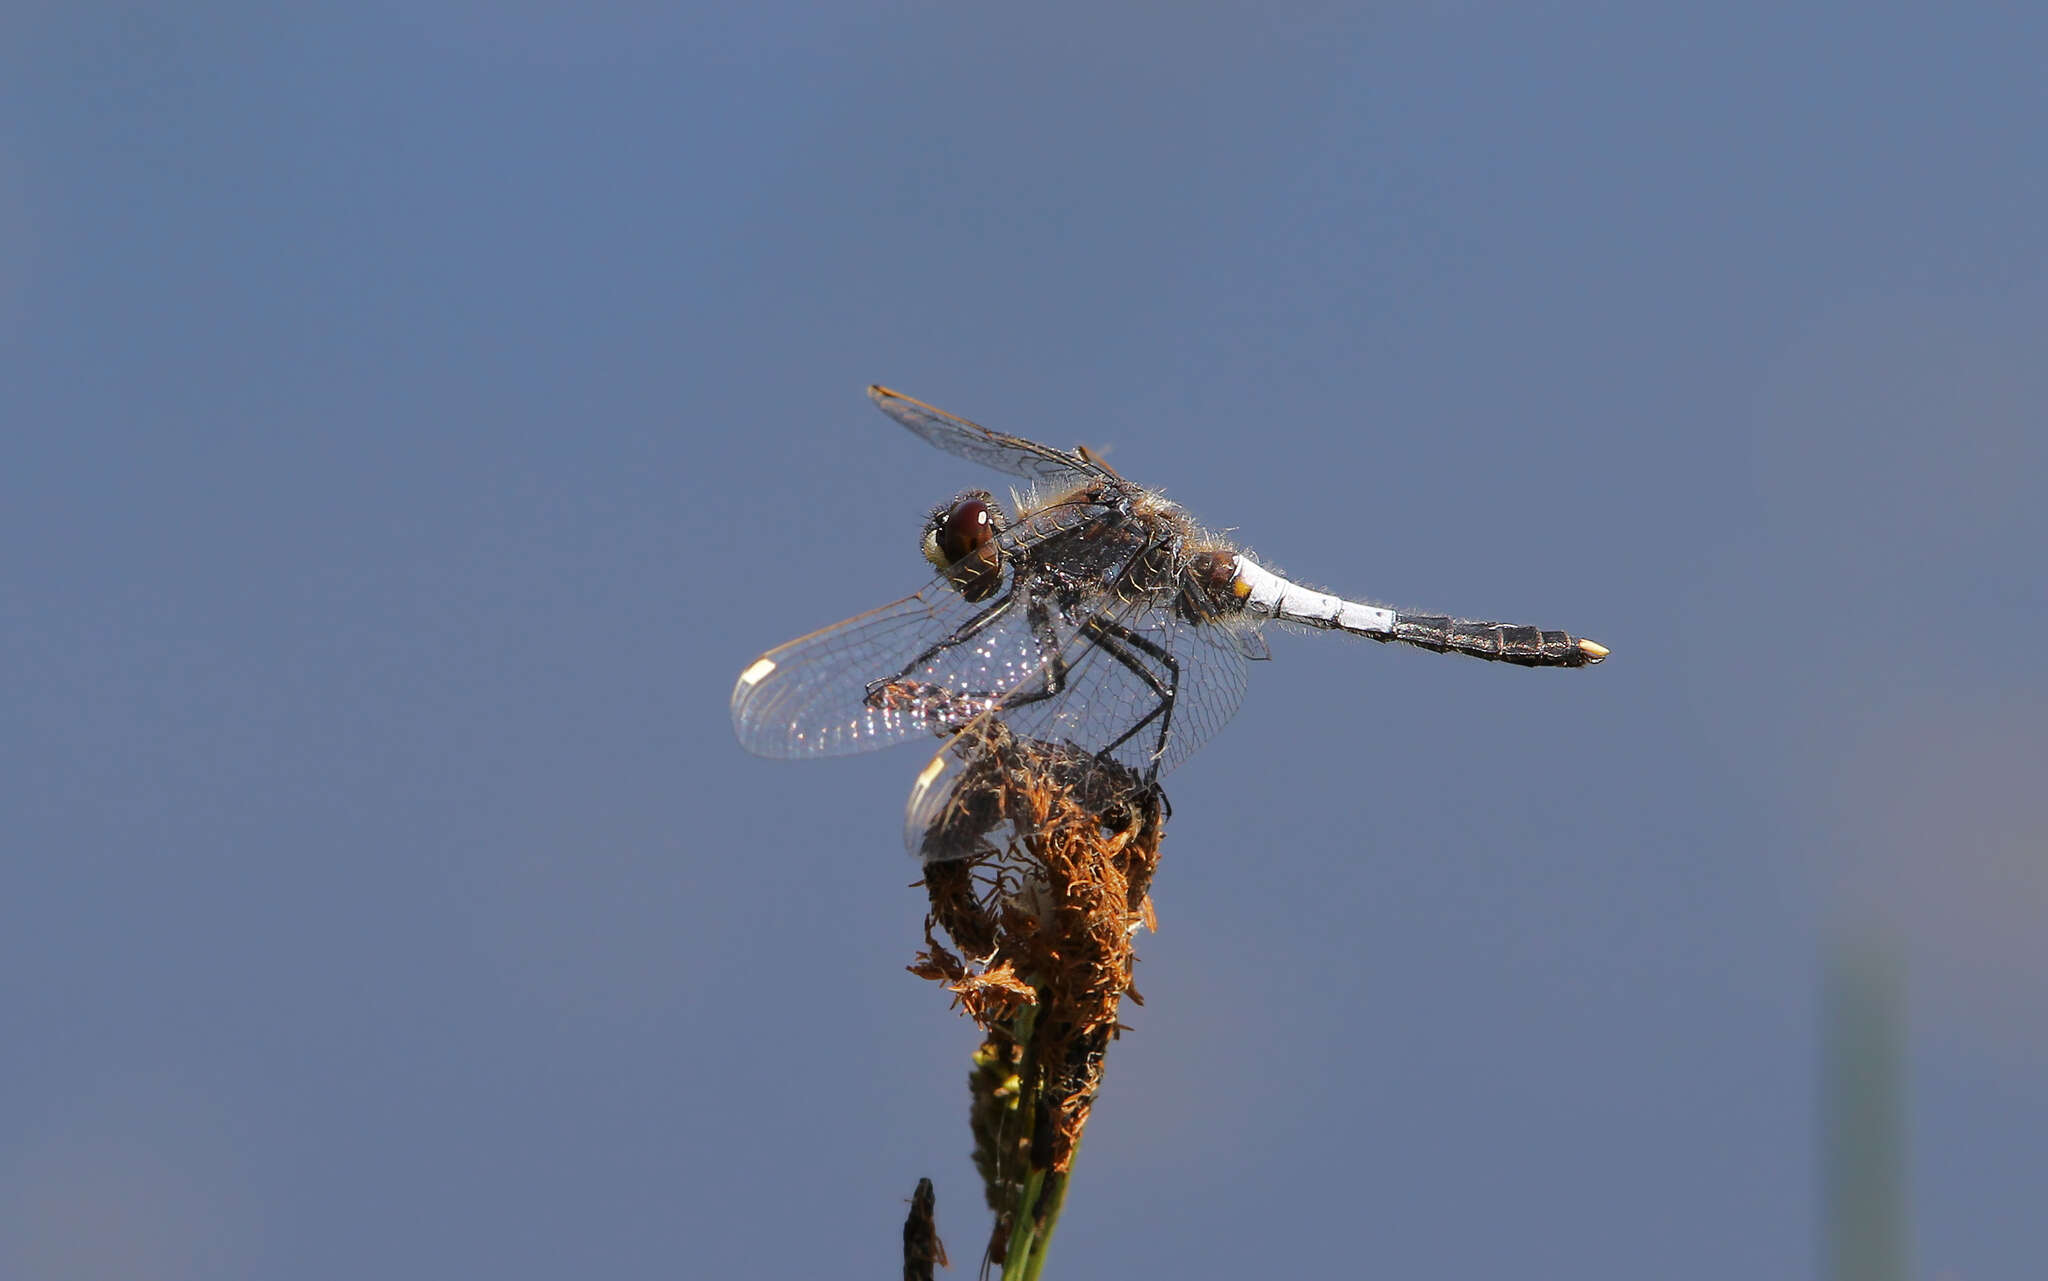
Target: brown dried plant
1039, 861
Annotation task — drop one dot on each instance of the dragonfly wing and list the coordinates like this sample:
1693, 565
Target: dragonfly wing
1013, 454
924, 665
1213, 675
1119, 667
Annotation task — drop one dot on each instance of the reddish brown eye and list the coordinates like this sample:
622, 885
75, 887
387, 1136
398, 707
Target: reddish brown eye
962, 540
965, 529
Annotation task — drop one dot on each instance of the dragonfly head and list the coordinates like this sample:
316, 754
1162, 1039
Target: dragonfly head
960, 538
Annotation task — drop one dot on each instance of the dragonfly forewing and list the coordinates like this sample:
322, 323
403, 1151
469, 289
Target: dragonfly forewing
976, 443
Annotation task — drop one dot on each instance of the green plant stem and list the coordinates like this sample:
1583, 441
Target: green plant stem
1052, 1195
1022, 1225
1043, 1191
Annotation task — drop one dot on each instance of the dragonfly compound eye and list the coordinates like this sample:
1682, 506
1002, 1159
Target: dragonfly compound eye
961, 539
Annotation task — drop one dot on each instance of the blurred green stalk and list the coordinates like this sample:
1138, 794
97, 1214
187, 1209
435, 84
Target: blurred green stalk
1863, 1108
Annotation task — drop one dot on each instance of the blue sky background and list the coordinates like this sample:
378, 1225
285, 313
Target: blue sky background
415, 415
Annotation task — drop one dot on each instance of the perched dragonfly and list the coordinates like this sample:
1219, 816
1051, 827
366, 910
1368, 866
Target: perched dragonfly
1091, 614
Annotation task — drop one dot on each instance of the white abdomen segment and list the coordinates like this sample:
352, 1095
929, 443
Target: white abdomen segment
1265, 592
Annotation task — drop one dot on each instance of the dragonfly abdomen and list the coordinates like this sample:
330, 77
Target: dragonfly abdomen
1265, 592
1499, 642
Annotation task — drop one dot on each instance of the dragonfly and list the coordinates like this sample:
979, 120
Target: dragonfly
1090, 614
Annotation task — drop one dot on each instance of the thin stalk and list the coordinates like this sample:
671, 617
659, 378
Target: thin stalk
1018, 1263
1053, 1195
1043, 1192
1023, 1217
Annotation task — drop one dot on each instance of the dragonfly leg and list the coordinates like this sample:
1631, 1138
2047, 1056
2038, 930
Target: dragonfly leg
965, 632
955, 707
1112, 638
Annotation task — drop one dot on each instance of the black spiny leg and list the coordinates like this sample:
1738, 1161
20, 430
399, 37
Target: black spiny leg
1111, 638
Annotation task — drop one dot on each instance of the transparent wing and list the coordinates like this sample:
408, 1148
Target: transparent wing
1122, 677
1213, 675
808, 697
923, 665
1248, 641
1122, 669
972, 441
946, 818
